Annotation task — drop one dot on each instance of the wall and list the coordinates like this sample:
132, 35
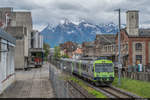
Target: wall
149, 52
7, 76
145, 51
19, 54
132, 19
23, 19
139, 53
20, 33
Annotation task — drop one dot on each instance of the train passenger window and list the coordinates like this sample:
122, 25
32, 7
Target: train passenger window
87, 68
77, 64
92, 69
84, 67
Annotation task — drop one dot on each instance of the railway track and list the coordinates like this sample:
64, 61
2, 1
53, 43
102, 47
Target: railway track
113, 92
110, 91
84, 95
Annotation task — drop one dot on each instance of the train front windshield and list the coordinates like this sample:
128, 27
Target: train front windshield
104, 67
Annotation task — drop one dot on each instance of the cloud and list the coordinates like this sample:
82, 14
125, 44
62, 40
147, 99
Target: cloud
95, 11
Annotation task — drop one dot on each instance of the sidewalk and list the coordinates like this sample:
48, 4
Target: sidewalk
31, 84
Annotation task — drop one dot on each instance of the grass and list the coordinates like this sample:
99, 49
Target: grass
137, 87
90, 90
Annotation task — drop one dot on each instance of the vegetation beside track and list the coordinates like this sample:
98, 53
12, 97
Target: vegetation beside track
137, 87
90, 90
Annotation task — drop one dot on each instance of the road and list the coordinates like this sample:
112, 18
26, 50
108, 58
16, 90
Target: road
34, 83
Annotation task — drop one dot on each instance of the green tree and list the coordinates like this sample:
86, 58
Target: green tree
47, 51
65, 56
57, 54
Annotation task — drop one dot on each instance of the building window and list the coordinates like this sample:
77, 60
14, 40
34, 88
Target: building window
138, 46
126, 46
138, 59
132, 17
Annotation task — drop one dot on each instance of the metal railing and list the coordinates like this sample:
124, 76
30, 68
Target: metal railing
64, 88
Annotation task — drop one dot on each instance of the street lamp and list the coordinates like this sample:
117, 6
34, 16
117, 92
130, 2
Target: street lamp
119, 48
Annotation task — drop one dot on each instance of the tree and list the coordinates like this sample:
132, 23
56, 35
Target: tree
65, 56
57, 54
47, 51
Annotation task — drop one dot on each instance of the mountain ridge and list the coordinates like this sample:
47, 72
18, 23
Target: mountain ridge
76, 32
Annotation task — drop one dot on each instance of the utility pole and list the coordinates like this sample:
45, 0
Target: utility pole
119, 48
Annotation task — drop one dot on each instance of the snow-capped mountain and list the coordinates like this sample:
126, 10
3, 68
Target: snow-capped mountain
75, 31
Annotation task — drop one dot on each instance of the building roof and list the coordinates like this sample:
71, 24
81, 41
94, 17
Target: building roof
88, 44
69, 46
132, 11
106, 38
144, 32
7, 36
78, 51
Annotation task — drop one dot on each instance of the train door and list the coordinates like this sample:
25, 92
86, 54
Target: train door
72, 66
91, 69
80, 70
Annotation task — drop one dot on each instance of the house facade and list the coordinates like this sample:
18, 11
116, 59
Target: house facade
88, 49
77, 54
105, 45
135, 42
100, 47
134, 49
68, 48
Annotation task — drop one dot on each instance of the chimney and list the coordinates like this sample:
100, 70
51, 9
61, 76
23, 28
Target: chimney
132, 19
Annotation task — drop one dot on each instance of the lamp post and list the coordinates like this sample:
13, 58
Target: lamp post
119, 47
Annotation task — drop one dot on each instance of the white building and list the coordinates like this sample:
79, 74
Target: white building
7, 53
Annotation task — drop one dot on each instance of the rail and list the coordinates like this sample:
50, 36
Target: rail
77, 89
111, 92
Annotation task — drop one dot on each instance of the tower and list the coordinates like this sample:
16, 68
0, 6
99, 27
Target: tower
132, 20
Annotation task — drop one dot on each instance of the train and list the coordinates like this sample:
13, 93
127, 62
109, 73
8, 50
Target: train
100, 71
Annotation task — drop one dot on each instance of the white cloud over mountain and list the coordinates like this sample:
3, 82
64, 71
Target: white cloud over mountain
95, 11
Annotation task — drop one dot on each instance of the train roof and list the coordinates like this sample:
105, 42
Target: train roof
77, 61
81, 61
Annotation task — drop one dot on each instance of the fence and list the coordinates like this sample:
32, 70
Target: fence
143, 76
133, 73
64, 88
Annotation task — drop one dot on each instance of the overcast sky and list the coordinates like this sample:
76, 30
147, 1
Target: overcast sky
95, 11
